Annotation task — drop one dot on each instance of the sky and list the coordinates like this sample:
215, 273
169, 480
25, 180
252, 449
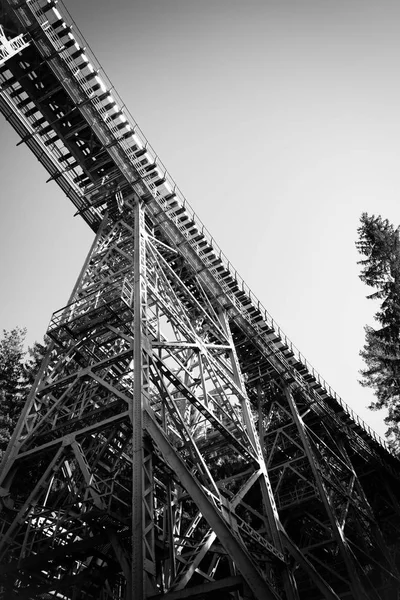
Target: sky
280, 122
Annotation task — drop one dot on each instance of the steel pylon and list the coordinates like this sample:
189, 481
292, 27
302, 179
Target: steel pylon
141, 467
130, 465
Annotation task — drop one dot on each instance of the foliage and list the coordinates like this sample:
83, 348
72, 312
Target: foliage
379, 243
18, 369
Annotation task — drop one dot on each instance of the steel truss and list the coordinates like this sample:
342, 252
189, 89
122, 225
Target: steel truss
174, 444
137, 469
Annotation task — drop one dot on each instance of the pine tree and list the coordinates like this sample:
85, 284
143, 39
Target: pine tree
379, 243
18, 370
11, 382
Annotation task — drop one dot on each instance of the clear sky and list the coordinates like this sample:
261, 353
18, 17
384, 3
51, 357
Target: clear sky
279, 120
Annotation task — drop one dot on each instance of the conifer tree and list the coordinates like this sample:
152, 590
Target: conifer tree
18, 369
379, 243
11, 382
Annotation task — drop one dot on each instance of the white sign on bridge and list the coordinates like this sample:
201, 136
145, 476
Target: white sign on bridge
9, 48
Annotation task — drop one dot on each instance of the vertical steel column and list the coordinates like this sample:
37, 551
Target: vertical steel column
355, 583
261, 588
137, 409
273, 520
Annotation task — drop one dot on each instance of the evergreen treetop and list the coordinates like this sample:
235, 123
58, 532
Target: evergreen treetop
379, 244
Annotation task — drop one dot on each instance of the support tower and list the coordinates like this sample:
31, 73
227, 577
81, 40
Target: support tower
175, 444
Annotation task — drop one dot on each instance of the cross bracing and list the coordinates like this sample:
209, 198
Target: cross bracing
175, 444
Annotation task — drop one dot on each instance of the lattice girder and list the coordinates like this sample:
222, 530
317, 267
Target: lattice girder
69, 474
76, 430
321, 500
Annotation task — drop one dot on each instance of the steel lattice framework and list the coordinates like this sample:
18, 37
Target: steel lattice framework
175, 444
